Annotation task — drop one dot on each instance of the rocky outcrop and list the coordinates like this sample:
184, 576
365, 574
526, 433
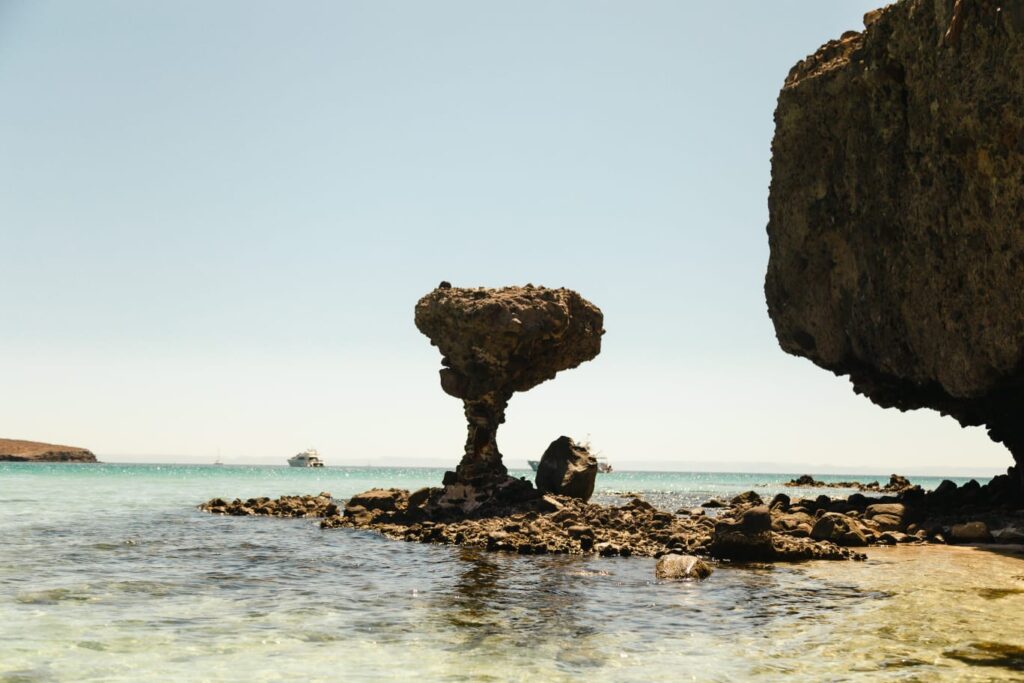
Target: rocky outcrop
321, 505
495, 342
13, 450
897, 483
896, 198
560, 524
568, 469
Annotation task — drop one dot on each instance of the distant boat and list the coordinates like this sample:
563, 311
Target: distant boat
307, 458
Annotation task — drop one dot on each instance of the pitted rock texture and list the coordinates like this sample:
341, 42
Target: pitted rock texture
495, 342
897, 196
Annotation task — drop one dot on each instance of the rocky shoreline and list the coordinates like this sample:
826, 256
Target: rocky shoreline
747, 530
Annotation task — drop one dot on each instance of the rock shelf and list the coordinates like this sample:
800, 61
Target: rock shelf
747, 530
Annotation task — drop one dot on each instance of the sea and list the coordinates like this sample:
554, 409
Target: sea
110, 573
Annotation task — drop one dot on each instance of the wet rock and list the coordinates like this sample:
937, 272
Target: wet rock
970, 532
568, 469
714, 503
686, 567
838, 529
780, 501
894, 214
495, 342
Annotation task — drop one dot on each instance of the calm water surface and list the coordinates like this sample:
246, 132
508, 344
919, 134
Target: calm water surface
109, 573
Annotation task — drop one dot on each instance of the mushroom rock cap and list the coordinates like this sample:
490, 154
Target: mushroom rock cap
508, 339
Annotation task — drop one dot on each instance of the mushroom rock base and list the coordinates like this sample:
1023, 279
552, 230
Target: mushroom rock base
895, 211
568, 469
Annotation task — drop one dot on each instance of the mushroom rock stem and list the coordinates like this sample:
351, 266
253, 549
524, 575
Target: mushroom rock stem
482, 460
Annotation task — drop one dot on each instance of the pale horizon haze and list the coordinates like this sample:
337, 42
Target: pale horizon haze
216, 219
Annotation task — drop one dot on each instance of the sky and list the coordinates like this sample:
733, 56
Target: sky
216, 219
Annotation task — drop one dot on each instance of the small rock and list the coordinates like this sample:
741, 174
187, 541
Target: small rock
686, 567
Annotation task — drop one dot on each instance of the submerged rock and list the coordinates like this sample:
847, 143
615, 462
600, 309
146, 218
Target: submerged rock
568, 469
495, 342
894, 213
686, 567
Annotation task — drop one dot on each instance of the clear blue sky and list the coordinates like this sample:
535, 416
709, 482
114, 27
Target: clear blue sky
216, 217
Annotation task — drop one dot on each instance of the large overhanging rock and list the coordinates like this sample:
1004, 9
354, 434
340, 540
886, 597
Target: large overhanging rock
498, 341
897, 211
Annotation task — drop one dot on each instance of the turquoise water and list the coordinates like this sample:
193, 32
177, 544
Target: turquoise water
109, 573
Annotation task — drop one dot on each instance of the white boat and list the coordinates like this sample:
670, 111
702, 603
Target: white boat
307, 458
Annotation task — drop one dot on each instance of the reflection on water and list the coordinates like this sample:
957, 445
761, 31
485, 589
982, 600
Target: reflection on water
127, 581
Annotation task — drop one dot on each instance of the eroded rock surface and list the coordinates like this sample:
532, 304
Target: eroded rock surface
897, 194
495, 342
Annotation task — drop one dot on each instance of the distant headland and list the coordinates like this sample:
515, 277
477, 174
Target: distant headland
15, 450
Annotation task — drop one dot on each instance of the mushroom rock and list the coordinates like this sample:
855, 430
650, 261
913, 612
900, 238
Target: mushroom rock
897, 195
495, 342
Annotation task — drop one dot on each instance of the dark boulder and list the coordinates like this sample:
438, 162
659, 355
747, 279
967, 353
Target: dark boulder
567, 469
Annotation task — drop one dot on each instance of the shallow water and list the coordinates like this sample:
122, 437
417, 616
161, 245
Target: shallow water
110, 573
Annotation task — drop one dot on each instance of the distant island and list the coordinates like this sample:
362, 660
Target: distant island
14, 450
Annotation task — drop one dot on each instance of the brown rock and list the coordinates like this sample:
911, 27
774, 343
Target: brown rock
894, 214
